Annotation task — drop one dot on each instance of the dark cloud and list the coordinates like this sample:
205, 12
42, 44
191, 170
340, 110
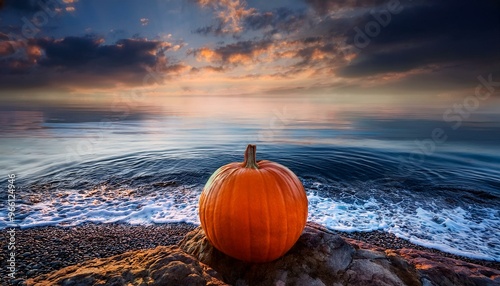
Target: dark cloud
6, 48
23, 5
208, 68
84, 61
441, 33
241, 48
243, 19
242, 52
279, 20
31, 6
323, 7
210, 30
282, 20
92, 52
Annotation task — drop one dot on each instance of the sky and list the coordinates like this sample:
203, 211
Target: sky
415, 48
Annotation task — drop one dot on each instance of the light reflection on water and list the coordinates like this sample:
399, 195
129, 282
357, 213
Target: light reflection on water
33, 137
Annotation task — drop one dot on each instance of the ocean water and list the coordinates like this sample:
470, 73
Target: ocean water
400, 167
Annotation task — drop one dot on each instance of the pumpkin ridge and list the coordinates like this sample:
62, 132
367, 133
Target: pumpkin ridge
210, 210
230, 206
248, 195
249, 224
297, 196
284, 207
268, 214
286, 176
228, 178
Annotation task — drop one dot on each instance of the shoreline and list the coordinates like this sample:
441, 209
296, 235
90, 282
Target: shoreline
41, 250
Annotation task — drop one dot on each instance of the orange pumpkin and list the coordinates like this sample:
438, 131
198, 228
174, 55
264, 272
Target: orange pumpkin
254, 211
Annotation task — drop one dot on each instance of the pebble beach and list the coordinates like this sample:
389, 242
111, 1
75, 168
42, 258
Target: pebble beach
45, 249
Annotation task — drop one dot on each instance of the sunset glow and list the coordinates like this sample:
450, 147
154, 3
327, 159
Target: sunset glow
238, 47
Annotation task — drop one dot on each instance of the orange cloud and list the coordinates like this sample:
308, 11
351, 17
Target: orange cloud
6, 49
208, 55
277, 58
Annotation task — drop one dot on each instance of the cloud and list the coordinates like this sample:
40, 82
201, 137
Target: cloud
85, 61
278, 58
6, 47
281, 20
236, 21
428, 44
144, 21
448, 50
229, 15
91, 52
243, 52
323, 7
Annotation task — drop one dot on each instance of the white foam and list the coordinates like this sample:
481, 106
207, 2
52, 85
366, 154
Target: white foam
454, 231
473, 232
104, 205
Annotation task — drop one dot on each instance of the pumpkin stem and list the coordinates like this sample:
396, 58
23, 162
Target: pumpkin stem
250, 157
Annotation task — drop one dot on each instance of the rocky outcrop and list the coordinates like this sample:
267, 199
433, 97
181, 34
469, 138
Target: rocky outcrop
320, 257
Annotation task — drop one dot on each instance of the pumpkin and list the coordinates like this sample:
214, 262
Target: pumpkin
254, 211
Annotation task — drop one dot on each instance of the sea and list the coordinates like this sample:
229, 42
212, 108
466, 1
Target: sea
424, 170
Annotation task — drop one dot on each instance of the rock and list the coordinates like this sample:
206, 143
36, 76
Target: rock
158, 266
319, 258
